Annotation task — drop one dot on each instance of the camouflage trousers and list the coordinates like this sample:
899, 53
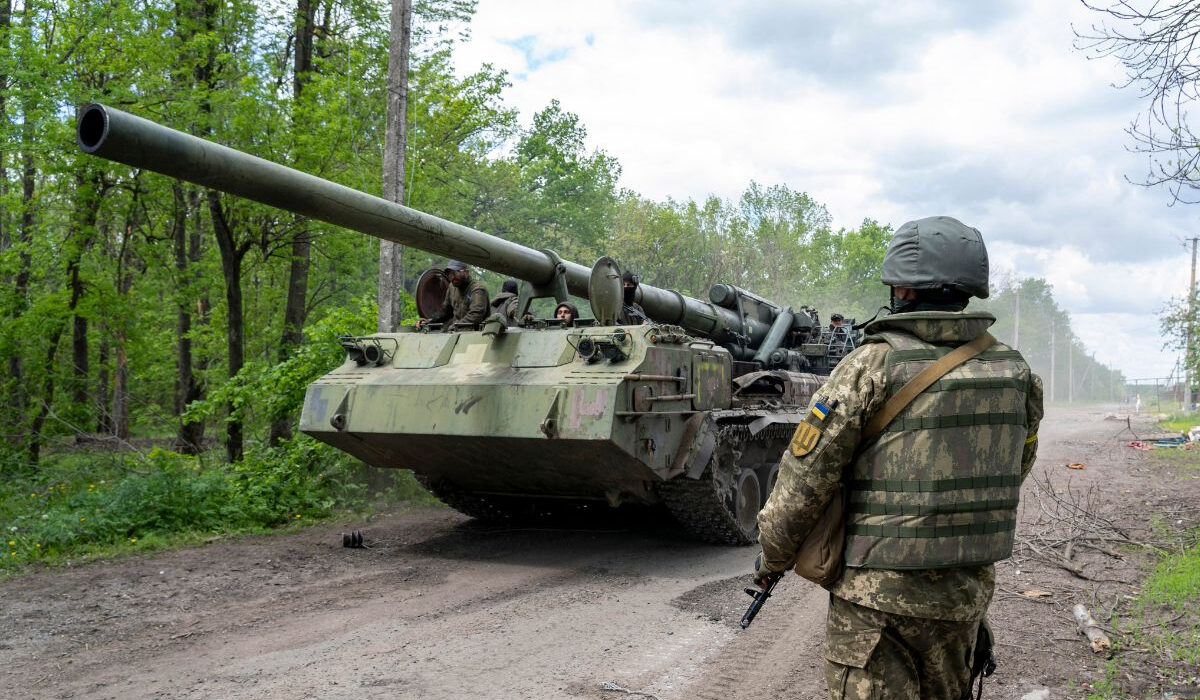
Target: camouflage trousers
872, 655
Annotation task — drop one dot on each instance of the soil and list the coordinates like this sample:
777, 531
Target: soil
440, 606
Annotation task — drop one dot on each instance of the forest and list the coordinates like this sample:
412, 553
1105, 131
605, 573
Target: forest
157, 337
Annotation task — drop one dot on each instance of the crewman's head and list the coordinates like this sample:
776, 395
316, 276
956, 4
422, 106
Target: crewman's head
458, 273
836, 320
566, 312
509, 286
629, 284
936, 263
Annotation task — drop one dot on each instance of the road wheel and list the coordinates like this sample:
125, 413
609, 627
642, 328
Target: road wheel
747, 500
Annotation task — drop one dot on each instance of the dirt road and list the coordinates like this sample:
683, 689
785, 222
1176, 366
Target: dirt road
441, 607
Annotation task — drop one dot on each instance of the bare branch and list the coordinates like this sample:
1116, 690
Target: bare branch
1159, 45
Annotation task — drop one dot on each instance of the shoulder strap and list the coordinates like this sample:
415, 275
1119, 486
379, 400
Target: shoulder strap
921, 382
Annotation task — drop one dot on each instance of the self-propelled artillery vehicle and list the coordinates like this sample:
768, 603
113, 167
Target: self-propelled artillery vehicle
691, 410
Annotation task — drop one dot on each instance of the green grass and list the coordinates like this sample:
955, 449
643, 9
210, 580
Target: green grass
1167, 614
1176, 581
1179, 422
82, 505
1109, 686
1163, 622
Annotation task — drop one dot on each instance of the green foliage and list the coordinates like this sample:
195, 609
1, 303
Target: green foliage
71, 508
77, 505
277, 389
774, 241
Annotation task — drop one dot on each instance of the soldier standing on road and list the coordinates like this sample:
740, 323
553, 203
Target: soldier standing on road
631, 312
466, 299
931, 502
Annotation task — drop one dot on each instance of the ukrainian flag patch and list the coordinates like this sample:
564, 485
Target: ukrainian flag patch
808, 433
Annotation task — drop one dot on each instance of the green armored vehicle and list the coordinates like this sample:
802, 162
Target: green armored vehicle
691, 410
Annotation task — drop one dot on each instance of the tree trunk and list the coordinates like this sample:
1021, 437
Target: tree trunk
104, 424
84, 224
190, 19
124, 282
79, 346
47, 399
89, 186
188, 436
18, 392
202, 316
120, 394
231, 268
297, 294
391, 255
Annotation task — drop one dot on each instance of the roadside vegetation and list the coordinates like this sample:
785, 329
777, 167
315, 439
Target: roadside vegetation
81, 504
95, 497
1179, 422
1157, 631
1157, 640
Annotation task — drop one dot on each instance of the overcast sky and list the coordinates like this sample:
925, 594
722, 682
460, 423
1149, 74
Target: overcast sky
882, 110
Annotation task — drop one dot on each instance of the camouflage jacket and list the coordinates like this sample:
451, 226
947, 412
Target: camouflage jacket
469, 306
505, 303
805, 484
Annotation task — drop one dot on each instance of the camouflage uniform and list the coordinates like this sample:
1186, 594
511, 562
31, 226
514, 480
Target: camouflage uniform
464, 306
900, 632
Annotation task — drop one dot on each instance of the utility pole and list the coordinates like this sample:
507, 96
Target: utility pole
1070, 371
1052, 334
1089, 370
1191, 322
1017, 318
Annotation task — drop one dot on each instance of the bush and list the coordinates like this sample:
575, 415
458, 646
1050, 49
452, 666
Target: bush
75, 505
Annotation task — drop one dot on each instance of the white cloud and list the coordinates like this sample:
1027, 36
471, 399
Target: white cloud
1113, 305
980, 111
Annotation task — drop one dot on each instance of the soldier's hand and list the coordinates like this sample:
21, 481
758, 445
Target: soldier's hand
761, 572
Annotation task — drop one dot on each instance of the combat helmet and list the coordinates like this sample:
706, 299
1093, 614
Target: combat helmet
935, 253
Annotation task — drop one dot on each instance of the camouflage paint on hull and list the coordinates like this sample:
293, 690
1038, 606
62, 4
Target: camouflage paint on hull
521, 413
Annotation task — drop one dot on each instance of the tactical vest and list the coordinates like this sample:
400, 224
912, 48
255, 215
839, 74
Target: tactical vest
939, 487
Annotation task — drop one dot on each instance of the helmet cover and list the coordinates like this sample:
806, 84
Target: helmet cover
935, 252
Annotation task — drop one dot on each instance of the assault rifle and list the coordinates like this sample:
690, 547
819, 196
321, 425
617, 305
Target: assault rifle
760, 596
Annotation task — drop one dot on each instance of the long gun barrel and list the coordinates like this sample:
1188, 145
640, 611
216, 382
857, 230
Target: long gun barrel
122, 137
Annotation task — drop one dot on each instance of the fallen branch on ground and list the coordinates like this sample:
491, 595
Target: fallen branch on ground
1091, 629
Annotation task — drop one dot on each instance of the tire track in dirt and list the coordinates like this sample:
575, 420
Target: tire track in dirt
777, 655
